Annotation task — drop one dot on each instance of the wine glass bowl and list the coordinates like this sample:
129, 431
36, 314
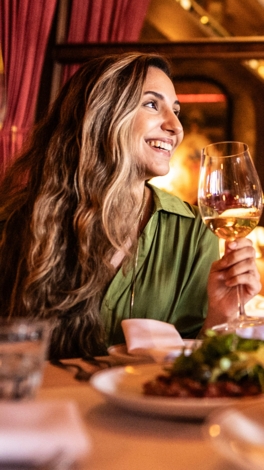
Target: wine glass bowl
230, 194
230, 199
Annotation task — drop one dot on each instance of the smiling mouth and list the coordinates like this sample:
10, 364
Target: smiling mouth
160, 145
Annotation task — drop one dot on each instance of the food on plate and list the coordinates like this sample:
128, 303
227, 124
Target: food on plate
223, 366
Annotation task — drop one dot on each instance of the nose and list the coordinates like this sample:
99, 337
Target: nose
171, 123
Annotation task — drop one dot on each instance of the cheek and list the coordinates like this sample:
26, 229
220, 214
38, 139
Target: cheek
137, 137
138, 126
135, 145
143, 123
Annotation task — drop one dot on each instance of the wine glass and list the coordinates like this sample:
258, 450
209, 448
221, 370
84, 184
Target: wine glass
230, 200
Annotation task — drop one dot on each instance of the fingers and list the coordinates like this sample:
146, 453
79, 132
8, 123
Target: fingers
238, 266
239, 269
237, 244
238, 251
240, 246
250, 279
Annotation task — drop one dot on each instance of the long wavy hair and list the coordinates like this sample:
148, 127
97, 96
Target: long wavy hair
68, 203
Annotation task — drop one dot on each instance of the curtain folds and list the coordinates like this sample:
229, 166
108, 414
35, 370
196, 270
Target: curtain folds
24, 32
101, 21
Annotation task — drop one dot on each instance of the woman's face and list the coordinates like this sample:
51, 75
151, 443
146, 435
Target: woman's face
157, 130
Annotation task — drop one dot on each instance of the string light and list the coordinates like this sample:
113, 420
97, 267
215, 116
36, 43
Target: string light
212, 23
204, 19
186, 4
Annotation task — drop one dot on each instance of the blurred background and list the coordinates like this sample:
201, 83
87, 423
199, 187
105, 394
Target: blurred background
216, 48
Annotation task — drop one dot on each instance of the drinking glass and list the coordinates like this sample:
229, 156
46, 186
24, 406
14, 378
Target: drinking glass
23, 349
230, 200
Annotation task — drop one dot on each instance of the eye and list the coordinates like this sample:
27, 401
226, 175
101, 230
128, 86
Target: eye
151, 104
177, 112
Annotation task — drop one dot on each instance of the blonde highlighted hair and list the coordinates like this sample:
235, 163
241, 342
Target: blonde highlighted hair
68, 203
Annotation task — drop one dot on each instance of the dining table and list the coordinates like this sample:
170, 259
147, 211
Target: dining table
122, 439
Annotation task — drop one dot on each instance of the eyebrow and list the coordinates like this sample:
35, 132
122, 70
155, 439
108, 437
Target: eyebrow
160, 96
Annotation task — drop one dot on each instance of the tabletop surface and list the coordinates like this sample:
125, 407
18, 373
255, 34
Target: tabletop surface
123, 440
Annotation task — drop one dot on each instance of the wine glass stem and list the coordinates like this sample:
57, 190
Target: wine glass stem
241, 308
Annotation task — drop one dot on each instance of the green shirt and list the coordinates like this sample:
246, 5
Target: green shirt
176, 251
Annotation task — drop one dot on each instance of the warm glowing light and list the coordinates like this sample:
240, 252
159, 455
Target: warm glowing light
204, 19
186, 4
257, 65
202, 98
214, 430
261, 70
253, 63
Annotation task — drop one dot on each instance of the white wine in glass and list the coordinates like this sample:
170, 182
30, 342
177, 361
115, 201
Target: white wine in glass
230, 200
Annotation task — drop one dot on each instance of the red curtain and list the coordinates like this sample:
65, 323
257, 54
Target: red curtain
105, 21
25, 27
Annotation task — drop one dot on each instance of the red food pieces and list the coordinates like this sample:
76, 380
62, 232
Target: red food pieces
184, 387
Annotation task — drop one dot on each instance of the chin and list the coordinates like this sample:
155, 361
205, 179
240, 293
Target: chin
161, 172
154, 172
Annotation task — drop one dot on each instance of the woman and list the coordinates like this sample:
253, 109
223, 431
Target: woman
86, 241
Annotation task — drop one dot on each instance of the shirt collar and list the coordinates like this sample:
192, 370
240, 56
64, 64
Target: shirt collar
170, 203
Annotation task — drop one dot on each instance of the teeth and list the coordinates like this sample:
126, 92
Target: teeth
160, 144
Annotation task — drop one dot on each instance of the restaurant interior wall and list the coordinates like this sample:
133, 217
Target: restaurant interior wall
242, 113
241, 116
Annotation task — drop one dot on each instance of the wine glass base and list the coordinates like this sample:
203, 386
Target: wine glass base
246, 326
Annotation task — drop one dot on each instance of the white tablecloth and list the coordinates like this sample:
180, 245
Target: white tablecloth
125, 441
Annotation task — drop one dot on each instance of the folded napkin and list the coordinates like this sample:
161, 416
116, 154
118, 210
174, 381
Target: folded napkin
35, 432
251, 332
255, 307
150, 337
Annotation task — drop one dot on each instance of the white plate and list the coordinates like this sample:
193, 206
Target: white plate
238, 434
123, 386
119, 352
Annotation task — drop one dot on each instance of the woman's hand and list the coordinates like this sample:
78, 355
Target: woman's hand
236, 267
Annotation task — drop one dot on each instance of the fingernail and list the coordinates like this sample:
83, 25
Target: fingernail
232, 245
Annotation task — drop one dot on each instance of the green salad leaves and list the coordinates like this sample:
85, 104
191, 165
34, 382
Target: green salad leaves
223, 358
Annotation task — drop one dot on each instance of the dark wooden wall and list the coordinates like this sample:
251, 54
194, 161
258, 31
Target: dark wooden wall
219, 59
